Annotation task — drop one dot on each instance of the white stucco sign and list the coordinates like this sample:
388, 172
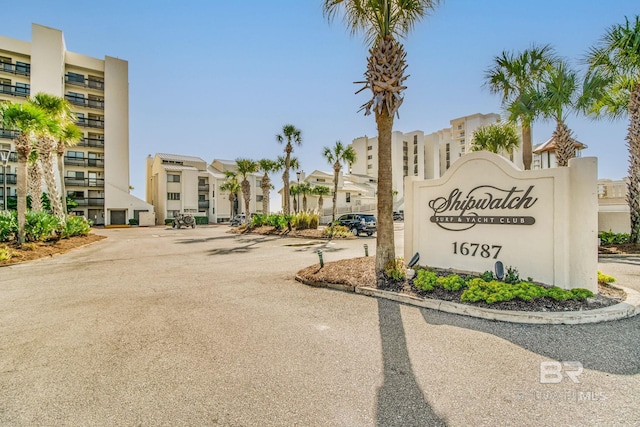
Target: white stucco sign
483, 210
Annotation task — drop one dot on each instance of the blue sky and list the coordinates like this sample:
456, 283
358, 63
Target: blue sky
218, 79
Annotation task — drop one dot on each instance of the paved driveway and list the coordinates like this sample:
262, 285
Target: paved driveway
155, 326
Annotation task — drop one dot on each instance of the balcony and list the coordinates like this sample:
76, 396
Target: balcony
90, 83
8, 134
19, 91
91, 142
84, 161
204, 187
85, 102
83, 182
90, 123
89, 201
19, 69
203, 204
11, 179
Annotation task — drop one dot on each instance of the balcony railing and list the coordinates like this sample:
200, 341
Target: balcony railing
14, 90
203, 204
20, 69
85, 102
84, 161
13, 157
83, 182
90, 83
89, 201
8, 134
91, 123
91, 142
204, 187
11, 178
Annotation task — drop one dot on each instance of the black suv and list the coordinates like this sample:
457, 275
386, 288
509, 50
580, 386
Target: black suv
358, 223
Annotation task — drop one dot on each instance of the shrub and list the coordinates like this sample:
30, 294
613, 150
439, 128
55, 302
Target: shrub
278, 221
133, 221
394, 269
306, 220
425, 280
29, 246
610, 238
5, 254
452, 282
8, 225
580, 293
258, 220
201, 220
338, 231
487, 276
512, 276
168, 221
41, 226
603, 278
494, 291
76, 226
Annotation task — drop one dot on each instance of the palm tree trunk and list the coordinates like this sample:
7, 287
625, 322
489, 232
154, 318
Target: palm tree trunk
266, 188
23, 149
527, 148
46, 149
336, 174
385, 245
63, 189
565, 148
320, 204
285, 178
34, 185
304, 202
633, 142
231, 201
246, 193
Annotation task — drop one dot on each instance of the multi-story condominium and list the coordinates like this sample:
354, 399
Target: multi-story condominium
97, 169
425, 156
186, 184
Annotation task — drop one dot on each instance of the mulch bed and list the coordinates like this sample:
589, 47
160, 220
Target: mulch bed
361, 272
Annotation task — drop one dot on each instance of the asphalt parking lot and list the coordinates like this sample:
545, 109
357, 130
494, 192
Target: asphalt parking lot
156, 326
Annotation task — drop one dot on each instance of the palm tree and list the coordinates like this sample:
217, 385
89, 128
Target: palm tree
336, 156
267, 166
615, 61
513, 76
232, 186
383, 22
26, 119
59, 113
245, 168
294, 190
69, 136
294, 164
305, 188
34, 182
558, 95
292, 136
321, 191
496, 138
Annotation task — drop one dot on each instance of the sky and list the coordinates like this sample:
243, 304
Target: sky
219, 79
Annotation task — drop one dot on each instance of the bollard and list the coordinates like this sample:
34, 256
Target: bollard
321, 260
366, 250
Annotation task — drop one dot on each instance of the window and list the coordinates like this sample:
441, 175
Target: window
22, 88
348, 197
415, 139
370, 147
75, 154
75, 78
201, 181
76, 98
173, 178
320, 180
459, 127
213, 194
172, 214
75, 174
173, 196
369, 166
369, 157
259, 198
76, 194
22, 68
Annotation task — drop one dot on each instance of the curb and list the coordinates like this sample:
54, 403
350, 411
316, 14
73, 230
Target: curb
628, 308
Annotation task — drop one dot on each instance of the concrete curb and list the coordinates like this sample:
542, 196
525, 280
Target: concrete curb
628, 308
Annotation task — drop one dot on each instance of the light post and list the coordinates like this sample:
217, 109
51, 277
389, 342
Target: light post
298, 204
4, 157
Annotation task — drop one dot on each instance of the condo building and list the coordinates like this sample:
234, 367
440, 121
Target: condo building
97, 169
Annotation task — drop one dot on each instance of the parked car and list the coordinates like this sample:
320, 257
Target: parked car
398, 216
358, 223
237, 220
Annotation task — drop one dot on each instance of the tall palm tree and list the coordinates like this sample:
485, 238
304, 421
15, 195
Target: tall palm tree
26, 119
615, 61
232, 186
513, 76
267, 166
321, 191
59, 112
245, 168
496, 138
383, 22
294, 190
69, 137
336, 156
34, 182
305, 188
290, 135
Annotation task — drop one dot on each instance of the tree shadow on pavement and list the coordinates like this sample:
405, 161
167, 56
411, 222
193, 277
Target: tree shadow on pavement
630, 260
206, 239
400, 400
248, 246
610, 347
